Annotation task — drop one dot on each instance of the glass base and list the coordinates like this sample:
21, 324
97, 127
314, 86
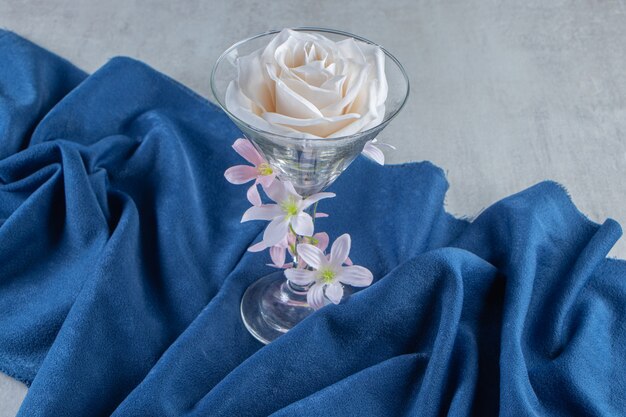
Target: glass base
271, 306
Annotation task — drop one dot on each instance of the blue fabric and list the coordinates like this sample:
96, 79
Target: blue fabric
122, 264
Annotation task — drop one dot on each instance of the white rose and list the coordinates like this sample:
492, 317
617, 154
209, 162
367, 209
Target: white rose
305, 85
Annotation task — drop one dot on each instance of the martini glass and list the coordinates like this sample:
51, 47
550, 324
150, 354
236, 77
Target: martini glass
273, 305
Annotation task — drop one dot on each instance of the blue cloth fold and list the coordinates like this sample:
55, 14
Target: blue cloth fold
123, 262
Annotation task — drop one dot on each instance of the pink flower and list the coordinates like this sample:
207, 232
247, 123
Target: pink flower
329, 272
260, 171
287, 214
373, 152
278, 252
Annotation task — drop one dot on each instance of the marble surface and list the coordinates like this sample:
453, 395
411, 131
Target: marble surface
505, 93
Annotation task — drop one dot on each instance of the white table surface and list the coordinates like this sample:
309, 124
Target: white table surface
505, 93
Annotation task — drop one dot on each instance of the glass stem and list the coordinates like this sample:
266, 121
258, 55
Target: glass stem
312, 210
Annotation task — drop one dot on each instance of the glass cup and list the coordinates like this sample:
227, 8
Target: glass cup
272, 305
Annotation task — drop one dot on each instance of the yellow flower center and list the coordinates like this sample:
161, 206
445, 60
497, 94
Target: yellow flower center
265, 169
290, 207
327, 276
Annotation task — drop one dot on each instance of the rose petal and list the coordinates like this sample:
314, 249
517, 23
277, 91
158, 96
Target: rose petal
253, 82
308, 81
357, 276
357, 79
311, 54
318, 126
245, 109
340, 250
300, 276
381, 79
246, 149
351, 49
315, 296
288, 54
312, 255
302, 224
370, 104
276, 231
334, 292
335, 83
253, 195
240, 174
290, 103
263, 212
319, 97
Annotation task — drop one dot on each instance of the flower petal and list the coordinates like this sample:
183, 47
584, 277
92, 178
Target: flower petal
290, 103
246, 149
318, 126
300, 276
254, 84
276, 231
311, 255
322, 240
262, 212
340, 250
334, 292
373, 153
266, 180
302, 224
276, 191
314, 199
289, 188
302, 81
257, 247
320, 215
240, 174
315, 296
357, 276
277, 254
253, 195
244, 108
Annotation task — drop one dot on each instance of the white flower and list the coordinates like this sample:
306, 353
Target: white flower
329, 272
287, 212
305, 85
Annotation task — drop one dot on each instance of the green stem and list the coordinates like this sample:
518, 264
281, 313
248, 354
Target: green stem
295, 246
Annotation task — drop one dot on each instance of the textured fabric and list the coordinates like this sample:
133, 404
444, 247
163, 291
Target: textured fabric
123, 261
